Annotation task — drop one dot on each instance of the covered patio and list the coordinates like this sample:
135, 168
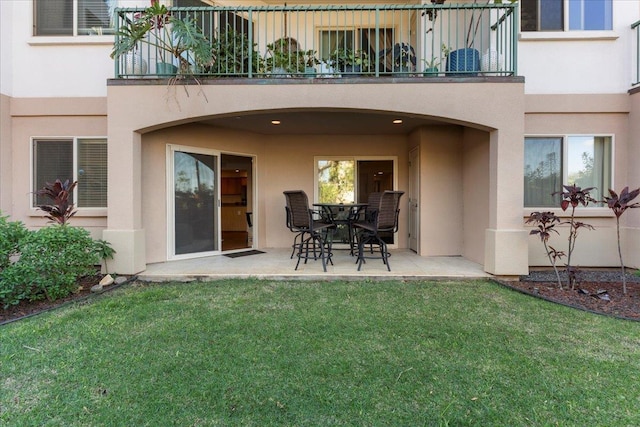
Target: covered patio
275, 263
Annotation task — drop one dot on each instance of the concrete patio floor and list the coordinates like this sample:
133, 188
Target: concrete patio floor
277, 264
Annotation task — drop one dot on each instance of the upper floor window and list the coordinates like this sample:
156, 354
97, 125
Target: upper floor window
73, 17
74, 159
566, 15
553, 161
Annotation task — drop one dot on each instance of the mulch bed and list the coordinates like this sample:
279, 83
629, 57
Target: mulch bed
30, 308
597, 290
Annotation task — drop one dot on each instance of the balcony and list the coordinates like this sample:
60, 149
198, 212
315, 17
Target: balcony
414, 41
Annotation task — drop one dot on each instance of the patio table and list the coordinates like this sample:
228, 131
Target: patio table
343, 215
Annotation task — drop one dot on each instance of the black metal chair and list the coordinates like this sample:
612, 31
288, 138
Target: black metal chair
381, 220
312, 235
364, 216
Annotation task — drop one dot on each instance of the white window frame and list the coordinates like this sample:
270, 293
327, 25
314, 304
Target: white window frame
590, 210
355, 159
566, 33
100, 31
81, 211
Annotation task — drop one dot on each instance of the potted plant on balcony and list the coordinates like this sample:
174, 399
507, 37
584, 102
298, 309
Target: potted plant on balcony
404, 58
431, 67
283, 57
175, 41
350, 62
310, 59
234, 54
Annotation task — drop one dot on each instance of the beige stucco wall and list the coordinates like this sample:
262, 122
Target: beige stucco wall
584, 114
475, 191
45, 117
6, 170
632, 217
440, 191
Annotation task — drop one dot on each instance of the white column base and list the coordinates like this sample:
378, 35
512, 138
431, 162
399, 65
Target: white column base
506, 252
130, 256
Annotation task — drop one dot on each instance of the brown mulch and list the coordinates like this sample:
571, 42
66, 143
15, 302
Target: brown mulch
597, 290
30, 308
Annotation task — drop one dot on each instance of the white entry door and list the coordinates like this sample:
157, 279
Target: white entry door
414, 199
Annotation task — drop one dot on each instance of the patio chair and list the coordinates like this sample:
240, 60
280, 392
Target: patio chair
384, 219
365, 216
312, 235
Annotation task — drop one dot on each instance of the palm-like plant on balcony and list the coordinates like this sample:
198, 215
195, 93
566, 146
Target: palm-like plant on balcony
175, 40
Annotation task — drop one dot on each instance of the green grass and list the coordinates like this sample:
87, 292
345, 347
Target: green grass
260, 353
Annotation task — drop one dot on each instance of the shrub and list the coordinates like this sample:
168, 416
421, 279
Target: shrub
51, 261
11, 232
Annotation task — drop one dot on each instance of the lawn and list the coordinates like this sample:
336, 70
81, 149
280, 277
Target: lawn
261, 353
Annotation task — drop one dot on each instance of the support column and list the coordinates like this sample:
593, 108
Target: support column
124, 226
506, 249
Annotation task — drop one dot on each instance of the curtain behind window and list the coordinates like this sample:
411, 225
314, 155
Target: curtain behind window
53, 160
53, 18
92, 173
542, 171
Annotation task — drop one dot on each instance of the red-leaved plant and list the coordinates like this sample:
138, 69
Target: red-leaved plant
545, 222
60, 210
574, 196
619, 204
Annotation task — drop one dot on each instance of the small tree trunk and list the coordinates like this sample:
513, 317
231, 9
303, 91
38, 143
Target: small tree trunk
624, 279
553, 264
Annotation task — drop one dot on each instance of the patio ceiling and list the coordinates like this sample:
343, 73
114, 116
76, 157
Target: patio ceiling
322, 123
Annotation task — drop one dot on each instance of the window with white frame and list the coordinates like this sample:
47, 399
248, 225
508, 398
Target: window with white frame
553, 161
566, 15
74, 159
73, 17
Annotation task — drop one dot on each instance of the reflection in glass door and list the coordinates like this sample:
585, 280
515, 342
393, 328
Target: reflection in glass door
195, 212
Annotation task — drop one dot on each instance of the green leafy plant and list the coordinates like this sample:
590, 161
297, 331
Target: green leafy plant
283, 55
51, 261
349, 60
545, 222
573, 196
173, 38
105, 251
234, 54
619, 204
60, 210
11, 232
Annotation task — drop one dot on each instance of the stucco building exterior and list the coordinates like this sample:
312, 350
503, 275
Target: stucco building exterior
467, 150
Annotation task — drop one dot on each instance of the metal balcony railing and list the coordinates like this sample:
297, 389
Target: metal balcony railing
428, 40
636, 75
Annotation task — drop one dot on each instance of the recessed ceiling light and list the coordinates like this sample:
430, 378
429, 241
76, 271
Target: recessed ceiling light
397, 122
275, 122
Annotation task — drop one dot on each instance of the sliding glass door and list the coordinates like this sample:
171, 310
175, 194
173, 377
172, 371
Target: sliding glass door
194, 211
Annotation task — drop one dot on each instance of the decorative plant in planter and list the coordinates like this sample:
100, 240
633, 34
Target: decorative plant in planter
284, 57
350, 62
431, 67
176, 41
404, 58
310, 59
231, 54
